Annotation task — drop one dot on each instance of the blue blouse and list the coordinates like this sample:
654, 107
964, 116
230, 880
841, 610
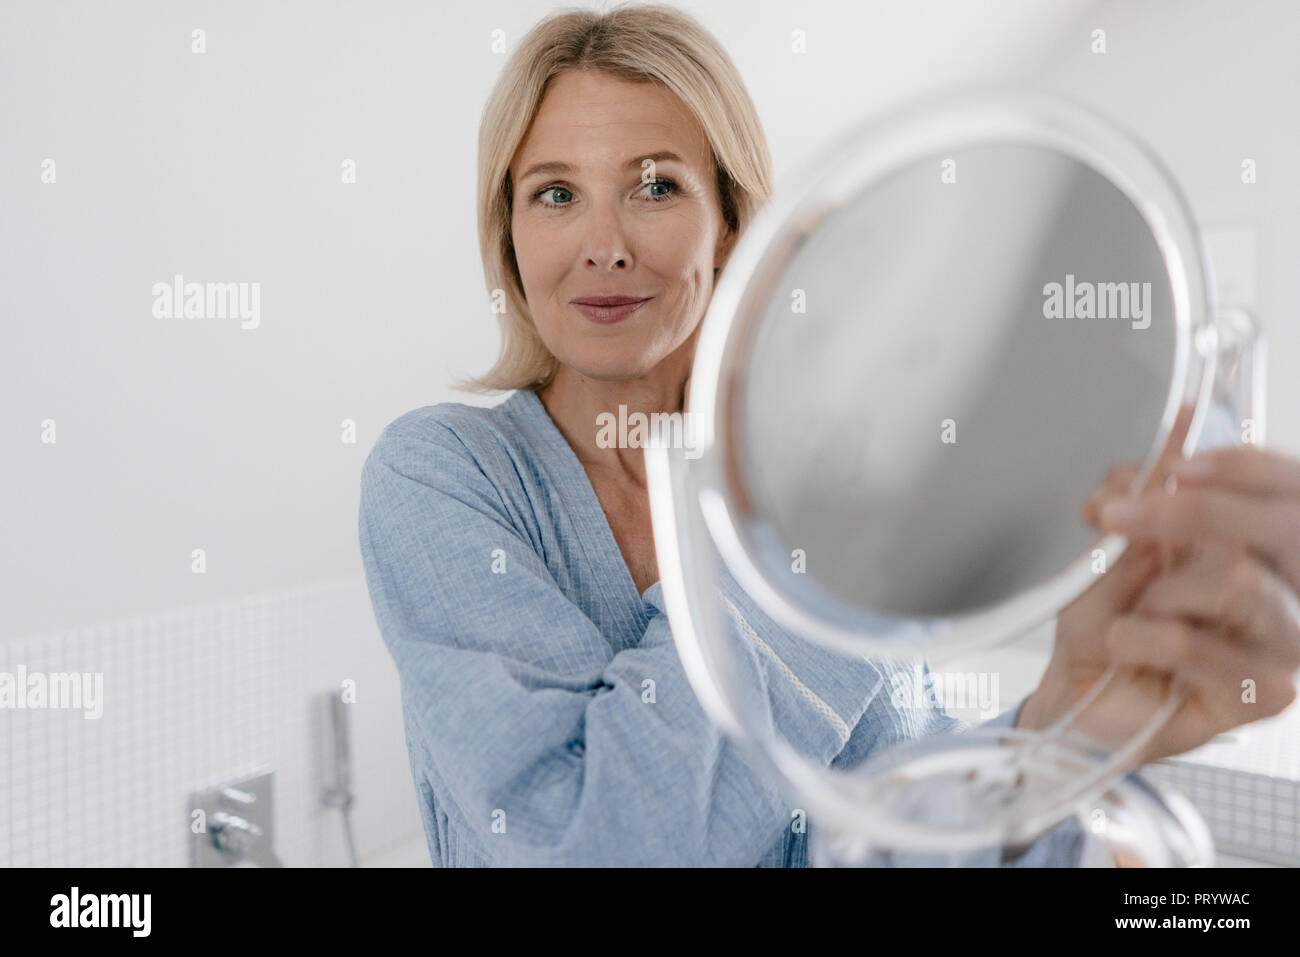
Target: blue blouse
547, 716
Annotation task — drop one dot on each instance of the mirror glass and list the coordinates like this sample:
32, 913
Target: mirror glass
948, 366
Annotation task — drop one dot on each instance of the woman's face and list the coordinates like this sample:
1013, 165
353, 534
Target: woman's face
587, 225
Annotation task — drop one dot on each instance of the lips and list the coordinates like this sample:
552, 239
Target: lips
607, 309
608, 300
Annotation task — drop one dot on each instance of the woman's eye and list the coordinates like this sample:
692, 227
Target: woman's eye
557, 189
660, 197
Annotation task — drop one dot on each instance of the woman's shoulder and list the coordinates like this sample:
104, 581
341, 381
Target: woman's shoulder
475, 458
454, 426
448, 436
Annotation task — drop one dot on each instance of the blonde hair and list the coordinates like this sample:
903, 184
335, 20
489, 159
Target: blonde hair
639, 43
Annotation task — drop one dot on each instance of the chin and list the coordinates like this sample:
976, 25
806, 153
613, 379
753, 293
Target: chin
600, 365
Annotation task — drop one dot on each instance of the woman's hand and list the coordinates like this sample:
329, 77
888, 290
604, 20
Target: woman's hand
1205, 594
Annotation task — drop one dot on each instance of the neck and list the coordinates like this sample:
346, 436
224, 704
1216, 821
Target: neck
575, 402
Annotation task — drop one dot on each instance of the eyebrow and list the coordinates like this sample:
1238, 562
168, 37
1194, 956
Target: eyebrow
634, 163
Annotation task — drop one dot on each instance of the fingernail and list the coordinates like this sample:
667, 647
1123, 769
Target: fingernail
1121, 511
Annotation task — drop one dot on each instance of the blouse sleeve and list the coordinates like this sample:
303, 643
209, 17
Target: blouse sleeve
541, 744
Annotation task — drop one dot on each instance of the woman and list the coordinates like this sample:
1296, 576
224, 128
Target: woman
509, 554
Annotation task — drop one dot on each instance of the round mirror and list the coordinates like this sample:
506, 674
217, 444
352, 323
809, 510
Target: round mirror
928, 357
920, 361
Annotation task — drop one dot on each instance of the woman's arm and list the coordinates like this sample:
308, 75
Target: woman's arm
545, 745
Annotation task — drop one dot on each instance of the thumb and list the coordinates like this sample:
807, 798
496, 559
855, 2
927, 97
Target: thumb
1119, 588
1118, 482
1114, 484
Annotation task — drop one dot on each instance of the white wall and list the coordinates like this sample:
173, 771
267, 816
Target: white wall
177, 434
1208, 84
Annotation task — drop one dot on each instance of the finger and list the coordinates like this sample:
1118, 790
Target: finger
1120, 481
1115, 590
1114, 484
1120, 586
1242, 468
1229, 589
1201, 659
1196, 514
1197, 587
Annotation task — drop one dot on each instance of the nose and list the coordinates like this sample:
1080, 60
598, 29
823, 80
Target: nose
606, 243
